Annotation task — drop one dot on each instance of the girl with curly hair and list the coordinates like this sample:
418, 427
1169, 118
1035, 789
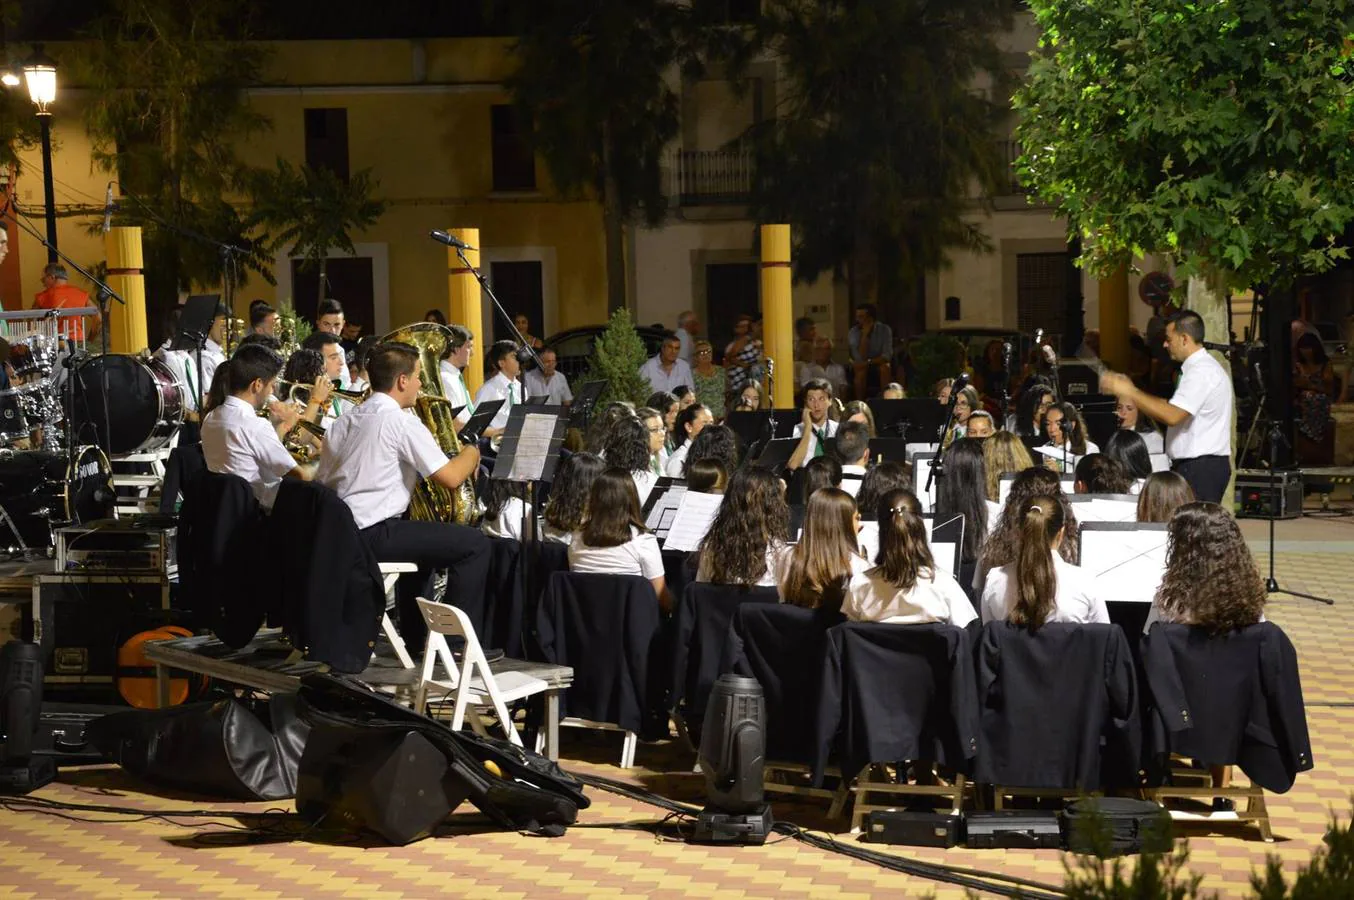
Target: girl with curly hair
627, 446
1205, 548
827, 557
905, 587
1038, 586
748, 540
569, 496
1003, 543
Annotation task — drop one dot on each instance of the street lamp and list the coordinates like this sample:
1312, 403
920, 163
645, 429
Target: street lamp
40, 74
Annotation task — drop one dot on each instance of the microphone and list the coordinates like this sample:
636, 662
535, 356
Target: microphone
108, 209
1006, 355
450, 240
1049, 356
1224, 349
1038, 336
959, 384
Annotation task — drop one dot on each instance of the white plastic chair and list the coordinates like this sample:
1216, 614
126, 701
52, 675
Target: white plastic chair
390, 576
474, 685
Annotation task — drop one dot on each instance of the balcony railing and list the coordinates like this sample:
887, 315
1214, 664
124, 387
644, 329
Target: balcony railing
1010, 151
710, 177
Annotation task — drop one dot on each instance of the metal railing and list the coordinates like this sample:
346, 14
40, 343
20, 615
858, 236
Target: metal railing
1010, 151
710, 177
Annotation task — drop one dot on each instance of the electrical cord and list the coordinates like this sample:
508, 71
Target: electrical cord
976, 879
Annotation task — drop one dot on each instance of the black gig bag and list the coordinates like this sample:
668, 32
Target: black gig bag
1115, 825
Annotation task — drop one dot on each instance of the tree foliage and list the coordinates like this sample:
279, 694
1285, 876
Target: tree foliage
592, 84
313, 211
167, 106
1215, 134
616, 359
882, 131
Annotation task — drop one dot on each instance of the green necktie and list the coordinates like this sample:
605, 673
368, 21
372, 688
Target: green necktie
818, 447
465, 391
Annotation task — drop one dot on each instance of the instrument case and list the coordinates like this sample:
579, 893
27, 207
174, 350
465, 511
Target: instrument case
1013, 829
914, 829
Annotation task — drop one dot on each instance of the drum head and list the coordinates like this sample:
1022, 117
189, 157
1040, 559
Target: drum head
131, 401
13, 419
89, 486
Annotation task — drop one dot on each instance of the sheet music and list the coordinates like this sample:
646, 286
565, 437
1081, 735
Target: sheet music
533, 447
664, 510
692, 521
1126, 566
1160, 462
868, 538
1104, 509
921, 470
944, 552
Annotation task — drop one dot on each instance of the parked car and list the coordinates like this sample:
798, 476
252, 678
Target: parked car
574, 346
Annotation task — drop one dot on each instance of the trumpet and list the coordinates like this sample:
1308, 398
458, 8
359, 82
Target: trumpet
293, 388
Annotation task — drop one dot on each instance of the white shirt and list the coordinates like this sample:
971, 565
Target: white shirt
833, 373
374, 456
1154, 441
852, 478
644, 482
1205, 392
937, 599
777, 557
858, 567
508, 522
500, 388
638, 556
829, 428
183, 363
237, 441
687, 344
677, 461
454, 389
556, 390
551, 533
652, 371
1073, 602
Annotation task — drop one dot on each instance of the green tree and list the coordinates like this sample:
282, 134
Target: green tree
592, 85
616, 359
881, 135
313, 211
167, 106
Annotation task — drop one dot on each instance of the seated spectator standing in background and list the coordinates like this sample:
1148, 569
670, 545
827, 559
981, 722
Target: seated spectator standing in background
743, 356
826, 558
547, 382
665, 372
710, 382
852, 444
1161, 495
1038, 587
815, 427
905, 587
688, 326
569, 492
613, 540
1096, 473
871, 345
823, 368
806, 333
747, 541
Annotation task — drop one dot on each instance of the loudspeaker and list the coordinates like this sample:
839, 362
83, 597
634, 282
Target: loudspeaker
390, 781
20, 711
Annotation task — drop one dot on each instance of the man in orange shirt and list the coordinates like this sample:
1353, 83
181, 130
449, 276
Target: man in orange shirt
58, 294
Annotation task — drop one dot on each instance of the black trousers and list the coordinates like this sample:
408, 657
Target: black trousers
1207, 475
462, 551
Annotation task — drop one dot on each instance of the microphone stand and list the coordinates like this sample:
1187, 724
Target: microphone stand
1276, 437
484, 285
938, 465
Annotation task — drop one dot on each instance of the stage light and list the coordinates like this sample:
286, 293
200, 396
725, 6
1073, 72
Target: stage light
9, 79
732, 758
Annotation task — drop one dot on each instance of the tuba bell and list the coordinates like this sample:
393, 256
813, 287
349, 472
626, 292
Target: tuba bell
431, 501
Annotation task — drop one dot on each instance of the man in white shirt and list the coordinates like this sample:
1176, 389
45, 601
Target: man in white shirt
502, 386
329, 319
335, 368
815, 428
460, 347
853, 449
1198, 416
548, 382
822, 367
688, 326
374, 456
184, 364
236, 440
665, 372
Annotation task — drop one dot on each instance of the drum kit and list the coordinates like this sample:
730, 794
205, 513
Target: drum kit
61, 418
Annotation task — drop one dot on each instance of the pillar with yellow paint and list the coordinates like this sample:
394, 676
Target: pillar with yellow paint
465, 308
1114, 319
126, 321
777, 313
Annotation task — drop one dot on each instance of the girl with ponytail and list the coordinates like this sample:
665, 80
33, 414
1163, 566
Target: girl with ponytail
905, 587
1039, 587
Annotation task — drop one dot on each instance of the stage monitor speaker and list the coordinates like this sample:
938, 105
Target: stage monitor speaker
390, 782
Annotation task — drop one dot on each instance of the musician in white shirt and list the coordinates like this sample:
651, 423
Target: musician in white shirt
815, 427
547, 382
184, 363
460, 348
1039, 586
335, 369
374, 457
236, 440
852, 444
502, 386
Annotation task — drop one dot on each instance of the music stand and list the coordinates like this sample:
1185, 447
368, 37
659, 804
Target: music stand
750, 425
484, 414
888, 449
917, 420
580, 411
776, 454
195, 323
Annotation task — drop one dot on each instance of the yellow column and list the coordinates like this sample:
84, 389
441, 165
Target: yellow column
465, 302
126, 322
1114, 319
777, 315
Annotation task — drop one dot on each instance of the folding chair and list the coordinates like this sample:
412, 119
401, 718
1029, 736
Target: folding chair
474, 685
390, 576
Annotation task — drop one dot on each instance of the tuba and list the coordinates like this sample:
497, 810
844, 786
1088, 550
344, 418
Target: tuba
432, 502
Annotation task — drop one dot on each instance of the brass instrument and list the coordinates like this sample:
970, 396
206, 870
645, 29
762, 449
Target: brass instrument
234, 333
431, 501
293, 387
302, 452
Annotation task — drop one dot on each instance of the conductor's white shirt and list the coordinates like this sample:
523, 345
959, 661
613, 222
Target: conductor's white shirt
374, 456
1205, 392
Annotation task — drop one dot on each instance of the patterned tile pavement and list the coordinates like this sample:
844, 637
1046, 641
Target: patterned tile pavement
617, 848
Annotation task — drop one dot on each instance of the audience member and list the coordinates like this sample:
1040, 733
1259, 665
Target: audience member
711, 382
665, 372
822, 368
1039, 586
871, 345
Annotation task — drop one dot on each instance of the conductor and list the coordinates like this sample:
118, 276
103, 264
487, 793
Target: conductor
1198, 416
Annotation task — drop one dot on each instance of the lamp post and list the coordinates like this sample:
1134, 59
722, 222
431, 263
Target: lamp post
40, 74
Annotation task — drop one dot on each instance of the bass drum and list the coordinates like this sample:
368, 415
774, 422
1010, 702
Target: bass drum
143, 402
41, 491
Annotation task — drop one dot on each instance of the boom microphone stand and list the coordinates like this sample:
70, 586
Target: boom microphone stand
938, 465
1276, 437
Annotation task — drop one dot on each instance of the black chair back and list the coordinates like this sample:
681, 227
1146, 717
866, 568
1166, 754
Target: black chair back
700, 640
225, 577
